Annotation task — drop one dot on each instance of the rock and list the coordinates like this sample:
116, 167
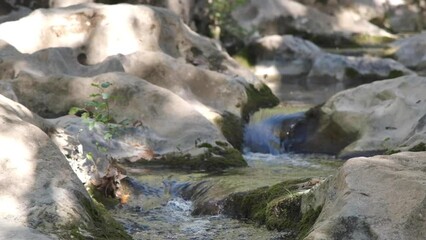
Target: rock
397, 16
290, 17
405, 18
353, 71
210, 92
297, 69
361, 202
152, 43
95, 32
66, 3
41, 196
169, 124
382, 116
411, 51
51, 61
9, 12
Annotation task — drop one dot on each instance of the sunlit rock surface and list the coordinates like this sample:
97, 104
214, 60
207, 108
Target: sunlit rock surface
382, 116
290, 17
96, 31
381, 197
191, 83
39, 190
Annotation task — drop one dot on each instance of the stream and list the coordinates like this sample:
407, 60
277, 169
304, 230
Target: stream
163, 206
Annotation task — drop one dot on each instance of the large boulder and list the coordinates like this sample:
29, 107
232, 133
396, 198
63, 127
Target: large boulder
94, 32
41, 196
291, 17
386, 115
169, 124
381, 197
297, 69
151, 43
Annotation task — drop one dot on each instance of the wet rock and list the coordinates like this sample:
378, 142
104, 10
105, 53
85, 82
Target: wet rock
372, 118
360, 202
42, 195
290, 17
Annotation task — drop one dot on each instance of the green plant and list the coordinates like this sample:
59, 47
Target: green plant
98, 110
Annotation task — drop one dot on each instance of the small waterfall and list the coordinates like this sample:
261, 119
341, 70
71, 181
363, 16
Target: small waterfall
274, 135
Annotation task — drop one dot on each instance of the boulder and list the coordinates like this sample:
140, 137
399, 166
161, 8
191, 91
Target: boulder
95, 33
297, 69
386, 115
397, 16
41, 196
411, 51
51, 61
168, 123
291, 17
150, 42
381, 197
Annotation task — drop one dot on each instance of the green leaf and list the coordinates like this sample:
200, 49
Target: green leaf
85, 115
108, 136
106, 84
75, 110
89, 156
94, 95
105, 96
94, 85
91, 125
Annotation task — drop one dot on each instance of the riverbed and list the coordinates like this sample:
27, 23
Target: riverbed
157, 210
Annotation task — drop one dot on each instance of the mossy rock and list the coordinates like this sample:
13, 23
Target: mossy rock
365, 40
418, 148
232, 128
215, 158
277, 207
101, 226
353, 74
258, 97
245, 57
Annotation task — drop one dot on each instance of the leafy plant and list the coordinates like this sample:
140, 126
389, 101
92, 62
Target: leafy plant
98, 110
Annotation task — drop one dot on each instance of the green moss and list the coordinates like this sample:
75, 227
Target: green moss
215, 158
307, 221
353, 74
204, 145
232, 128
395, 74
261, 97
100, 197
277, 207
101, 226
245, 58
418, 148
391, 151
284, 213
364, 39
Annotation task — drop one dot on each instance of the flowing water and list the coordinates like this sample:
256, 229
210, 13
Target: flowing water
157, 210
